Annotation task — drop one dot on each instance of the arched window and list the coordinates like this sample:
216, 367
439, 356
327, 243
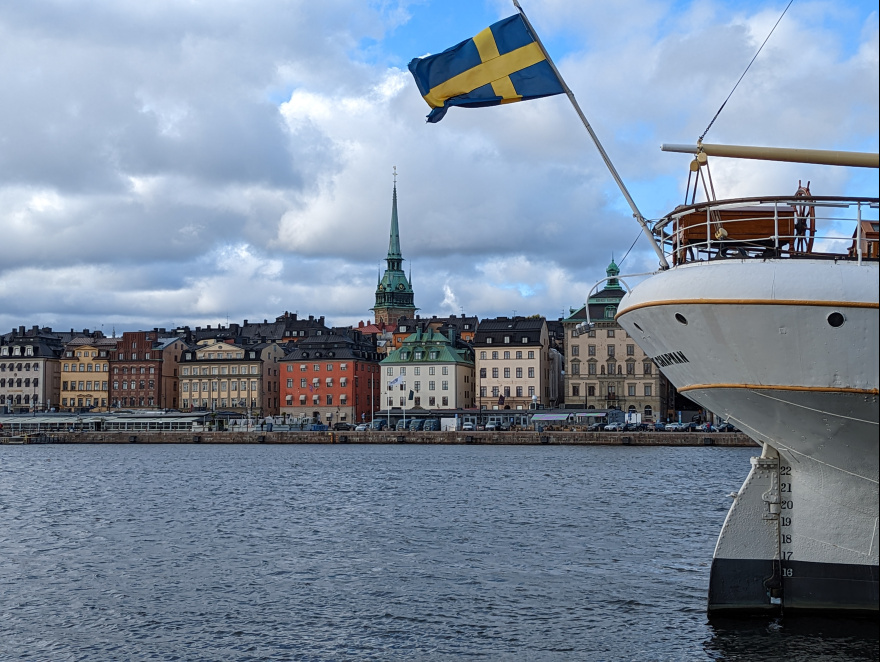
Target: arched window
649, 413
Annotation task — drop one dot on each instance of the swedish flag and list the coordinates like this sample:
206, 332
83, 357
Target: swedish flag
502, 64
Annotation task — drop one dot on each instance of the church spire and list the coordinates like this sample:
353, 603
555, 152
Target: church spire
394, 294
394, 241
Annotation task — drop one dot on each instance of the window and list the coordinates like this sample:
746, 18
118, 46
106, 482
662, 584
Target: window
431, 386
575, 350
519, 391
507, 373
444, 401
482, 355
482, 391
630, 368
647, 390
531, 373
506, 355
389, 370
488, 341
289, 383
316, 367
531, 391
482, 373
631, 390
610, 350
531, 354
630, 350
494, 355
329, 367
329, 382
496, 391
444, 370
302, 382
611, 332
302, 399
647, 368
591, 391
343, 366
575, 368
519, 354
329, 400
576, 390
445, 385
495, 373
316, 400
525, 340
302, 367
403, 370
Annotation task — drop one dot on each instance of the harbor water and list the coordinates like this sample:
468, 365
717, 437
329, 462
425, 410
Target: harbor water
378, 552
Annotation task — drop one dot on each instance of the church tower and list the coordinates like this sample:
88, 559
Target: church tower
394, 294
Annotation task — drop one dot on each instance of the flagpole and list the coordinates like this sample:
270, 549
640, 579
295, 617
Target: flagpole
636, 213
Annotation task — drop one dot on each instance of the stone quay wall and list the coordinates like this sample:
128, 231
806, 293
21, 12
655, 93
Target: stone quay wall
405, 437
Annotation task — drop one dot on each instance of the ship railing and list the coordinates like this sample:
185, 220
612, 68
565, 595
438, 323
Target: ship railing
778, 227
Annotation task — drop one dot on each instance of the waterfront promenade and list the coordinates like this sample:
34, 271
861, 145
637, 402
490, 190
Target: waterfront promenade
523, 437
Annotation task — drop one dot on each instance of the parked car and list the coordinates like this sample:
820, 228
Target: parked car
632, 427
402, 424
468, 427
341, 425
416, 424
706, 427
658, 427
362, 427
431, 425
675, 426
727, 427
379, 424
613, 427
595, 427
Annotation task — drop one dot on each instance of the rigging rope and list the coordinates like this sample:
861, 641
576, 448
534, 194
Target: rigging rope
631, 247
744, 73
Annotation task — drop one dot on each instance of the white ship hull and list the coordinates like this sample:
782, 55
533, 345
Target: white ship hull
787, 349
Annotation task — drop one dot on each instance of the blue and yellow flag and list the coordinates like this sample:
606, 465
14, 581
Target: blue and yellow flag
502, 64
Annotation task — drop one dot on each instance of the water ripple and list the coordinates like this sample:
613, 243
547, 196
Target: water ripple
137, 552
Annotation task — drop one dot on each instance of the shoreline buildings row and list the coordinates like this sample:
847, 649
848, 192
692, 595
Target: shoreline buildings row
302, 368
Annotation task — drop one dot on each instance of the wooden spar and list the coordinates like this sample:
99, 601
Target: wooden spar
817, 156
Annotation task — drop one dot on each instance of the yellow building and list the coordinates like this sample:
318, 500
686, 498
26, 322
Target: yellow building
85, 371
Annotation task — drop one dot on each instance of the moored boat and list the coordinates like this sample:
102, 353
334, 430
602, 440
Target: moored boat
768, 317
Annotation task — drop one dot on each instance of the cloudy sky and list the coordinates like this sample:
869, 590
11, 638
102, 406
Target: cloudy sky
202, 161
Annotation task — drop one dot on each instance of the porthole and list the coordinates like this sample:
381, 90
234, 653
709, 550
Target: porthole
638, 327
836, 319
681, 319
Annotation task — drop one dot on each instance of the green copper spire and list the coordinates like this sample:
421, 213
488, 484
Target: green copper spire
394, 294
612, 271
394, 241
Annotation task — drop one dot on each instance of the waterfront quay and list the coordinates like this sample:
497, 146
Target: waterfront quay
516, 437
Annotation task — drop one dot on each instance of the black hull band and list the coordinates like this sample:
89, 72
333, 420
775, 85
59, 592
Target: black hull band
753, 586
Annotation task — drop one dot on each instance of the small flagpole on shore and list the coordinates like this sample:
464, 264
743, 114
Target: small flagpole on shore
636, 213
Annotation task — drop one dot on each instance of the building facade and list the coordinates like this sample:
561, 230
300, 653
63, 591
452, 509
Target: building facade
219, 375
606, 368
85, 373
30, 371
514, 363
333, 377
429, 371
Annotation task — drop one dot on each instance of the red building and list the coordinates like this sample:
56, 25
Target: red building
332, 378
